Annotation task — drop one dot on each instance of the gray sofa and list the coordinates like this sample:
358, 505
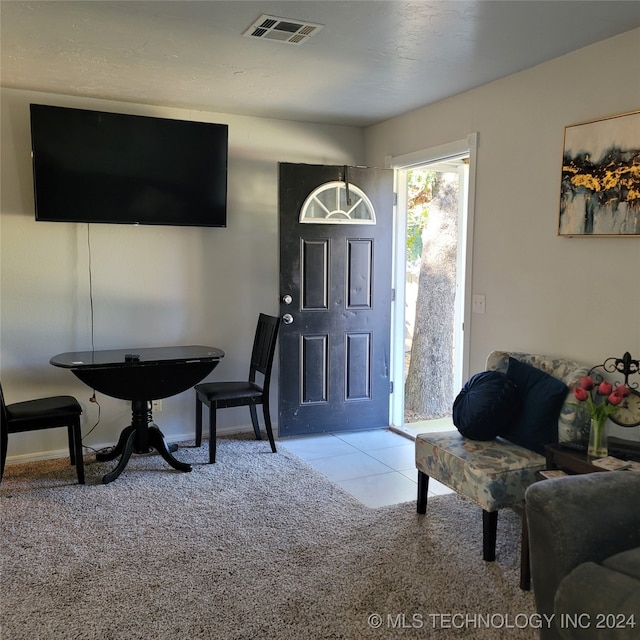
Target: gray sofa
584, 536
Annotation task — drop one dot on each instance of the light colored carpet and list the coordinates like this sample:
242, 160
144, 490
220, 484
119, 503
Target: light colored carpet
257, 546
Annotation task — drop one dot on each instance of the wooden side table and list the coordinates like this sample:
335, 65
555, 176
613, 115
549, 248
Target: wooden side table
572, 462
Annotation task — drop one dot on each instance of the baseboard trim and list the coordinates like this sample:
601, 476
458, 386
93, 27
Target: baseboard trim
24, 458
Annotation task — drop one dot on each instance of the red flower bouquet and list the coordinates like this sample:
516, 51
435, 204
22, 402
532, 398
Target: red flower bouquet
591, 394
600, 401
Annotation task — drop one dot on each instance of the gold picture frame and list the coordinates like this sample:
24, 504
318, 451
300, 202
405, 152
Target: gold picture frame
600, 185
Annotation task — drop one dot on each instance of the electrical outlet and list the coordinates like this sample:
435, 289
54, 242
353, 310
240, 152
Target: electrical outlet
156, 406
478, 303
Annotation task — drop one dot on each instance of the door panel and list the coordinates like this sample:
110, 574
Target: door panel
334, 356
314, 368
360, 272
358, 356
315, 271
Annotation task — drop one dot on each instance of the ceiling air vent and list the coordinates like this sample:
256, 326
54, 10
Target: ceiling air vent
282, 29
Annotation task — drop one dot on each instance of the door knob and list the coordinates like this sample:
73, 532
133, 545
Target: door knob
287, 299
287, 318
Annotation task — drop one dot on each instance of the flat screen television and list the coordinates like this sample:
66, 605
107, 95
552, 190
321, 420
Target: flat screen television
93, 166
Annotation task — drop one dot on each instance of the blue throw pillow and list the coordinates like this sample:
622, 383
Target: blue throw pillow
542, 399
485, 405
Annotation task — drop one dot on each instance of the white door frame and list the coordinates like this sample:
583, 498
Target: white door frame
464, 265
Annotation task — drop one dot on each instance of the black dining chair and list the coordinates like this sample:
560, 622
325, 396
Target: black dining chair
44, 413
222, 395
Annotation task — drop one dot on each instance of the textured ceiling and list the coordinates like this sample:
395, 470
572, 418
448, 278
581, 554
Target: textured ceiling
372, 60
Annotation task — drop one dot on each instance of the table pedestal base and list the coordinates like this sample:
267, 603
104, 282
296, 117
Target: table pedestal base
142, 436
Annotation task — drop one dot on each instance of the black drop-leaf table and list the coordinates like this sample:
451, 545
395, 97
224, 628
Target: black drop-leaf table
141, 376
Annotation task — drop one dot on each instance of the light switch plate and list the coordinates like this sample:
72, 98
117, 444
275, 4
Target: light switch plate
478, 303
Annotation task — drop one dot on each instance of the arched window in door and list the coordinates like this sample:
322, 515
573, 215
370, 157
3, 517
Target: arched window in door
337, 203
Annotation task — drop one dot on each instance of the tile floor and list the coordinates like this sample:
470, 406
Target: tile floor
377, 467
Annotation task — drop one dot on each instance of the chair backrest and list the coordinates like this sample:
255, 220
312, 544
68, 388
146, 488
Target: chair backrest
4, 432
573, 424
4, 416
264, 347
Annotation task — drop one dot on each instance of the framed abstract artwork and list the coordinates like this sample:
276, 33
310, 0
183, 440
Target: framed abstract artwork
600, 189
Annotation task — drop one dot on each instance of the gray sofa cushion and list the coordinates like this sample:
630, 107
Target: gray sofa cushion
597, 602
627, 562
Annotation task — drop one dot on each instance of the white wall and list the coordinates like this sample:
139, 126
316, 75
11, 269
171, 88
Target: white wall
152, 286
576, 298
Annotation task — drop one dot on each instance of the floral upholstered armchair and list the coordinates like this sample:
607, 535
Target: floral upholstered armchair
495, 473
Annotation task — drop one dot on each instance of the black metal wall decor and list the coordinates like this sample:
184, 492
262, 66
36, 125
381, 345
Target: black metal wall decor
628, 415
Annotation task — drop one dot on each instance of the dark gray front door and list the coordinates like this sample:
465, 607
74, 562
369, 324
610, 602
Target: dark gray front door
336, 228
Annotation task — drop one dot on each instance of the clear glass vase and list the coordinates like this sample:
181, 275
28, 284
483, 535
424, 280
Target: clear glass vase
598, 438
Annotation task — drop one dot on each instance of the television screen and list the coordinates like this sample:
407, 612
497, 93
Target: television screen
92, 166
